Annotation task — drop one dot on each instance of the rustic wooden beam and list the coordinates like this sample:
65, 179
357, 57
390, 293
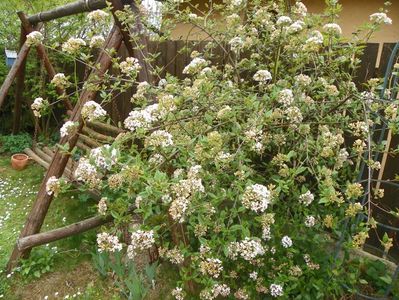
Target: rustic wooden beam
106, 128
17, 65
41, 50
67, 231
67, 10
96, 135
54, 235
39, 210
16, 126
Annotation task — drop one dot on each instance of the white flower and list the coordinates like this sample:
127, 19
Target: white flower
306, 198
195, 66
294, 114
295, 27
140, 240
380, 18
97, 15
303, 80
68, 129
38, 106
212, 267
256, 198
262, 76
108, 243
87, 173
34, 38
220, 290
285, 97
276, 290
300, 9
97, 41
102, 206
223, 112
60, 80
236, 44
253, 275
248, 249
160, 138
92, 111
310, 221
286, 241
283, 20
104, 157
332, 28
53, 186
73, 45
178, 293
130, 65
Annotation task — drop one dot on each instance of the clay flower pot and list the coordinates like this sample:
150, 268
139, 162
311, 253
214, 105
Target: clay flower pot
19, 161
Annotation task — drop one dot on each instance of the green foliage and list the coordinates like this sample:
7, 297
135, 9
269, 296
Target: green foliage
40, 261
15, 143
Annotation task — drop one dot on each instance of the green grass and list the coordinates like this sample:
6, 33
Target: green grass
18, 191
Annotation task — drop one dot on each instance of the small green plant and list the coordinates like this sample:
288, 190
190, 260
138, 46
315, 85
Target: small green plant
15, 143
40, 262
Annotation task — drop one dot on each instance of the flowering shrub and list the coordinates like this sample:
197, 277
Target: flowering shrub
244, 173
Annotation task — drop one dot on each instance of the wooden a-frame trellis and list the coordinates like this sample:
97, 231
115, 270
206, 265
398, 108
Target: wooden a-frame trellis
30, 236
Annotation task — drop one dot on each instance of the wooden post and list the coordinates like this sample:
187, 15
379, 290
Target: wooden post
44, 57
39, 210
19, 87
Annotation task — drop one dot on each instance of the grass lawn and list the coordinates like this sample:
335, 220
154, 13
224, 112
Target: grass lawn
56, 270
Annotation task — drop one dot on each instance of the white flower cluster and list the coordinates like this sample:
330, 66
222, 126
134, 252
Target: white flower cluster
262, 76
283, 21
87, 173
303, 80
276, 290
142, 118
141, 240
295, 27
102, 206
178, 293
310, 221
285, 97
332, 29
183, 191
220, 290
300, 9
97, 15
286, 241
360, 128
60, 81
92, 111
236, 44
223, 112
38, 106
380, 18
108, 243
256, 198
72, 45
34, 38
248, 249
294, 114
160, 138
306, 198
97, 41
314, 41
141, 89
212, 267
104, 157
53, 186
255, 136
130, 65
68, 129
196, 65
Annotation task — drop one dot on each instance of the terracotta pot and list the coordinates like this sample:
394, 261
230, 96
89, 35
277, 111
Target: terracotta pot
19, 161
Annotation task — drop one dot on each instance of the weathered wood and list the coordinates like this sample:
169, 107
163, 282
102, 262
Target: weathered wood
83, 146
19, 88
44, 57
54, 235
106, 128
63, 232
39, 210
36, 158
89, 141
67, 10
96, 135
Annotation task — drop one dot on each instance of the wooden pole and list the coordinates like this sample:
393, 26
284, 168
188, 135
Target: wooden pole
44, 57
67, 10
28, 242
19, 87
67, 231
39, 210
